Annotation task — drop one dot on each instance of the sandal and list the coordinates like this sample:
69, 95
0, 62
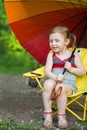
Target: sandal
48, 122
62, 122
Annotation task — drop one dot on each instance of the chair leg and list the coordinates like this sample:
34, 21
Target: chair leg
39, 84
85, 108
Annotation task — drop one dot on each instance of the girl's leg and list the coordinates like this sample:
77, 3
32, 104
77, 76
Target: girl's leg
61, 104
48, 87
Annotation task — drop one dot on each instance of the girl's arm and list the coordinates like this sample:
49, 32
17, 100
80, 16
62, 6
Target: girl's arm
48, 67
79, 70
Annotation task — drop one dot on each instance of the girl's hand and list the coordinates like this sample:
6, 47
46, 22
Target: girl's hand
68, 66
60, 77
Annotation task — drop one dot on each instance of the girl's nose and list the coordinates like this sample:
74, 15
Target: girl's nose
53, 43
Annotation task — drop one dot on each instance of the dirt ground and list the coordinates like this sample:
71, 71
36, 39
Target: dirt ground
24, 103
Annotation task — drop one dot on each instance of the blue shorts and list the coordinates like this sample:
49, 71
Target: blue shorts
69, 78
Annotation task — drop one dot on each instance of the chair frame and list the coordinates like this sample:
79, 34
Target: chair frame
39, 74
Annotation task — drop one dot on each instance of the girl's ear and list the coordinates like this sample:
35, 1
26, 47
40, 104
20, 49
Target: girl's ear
67, 42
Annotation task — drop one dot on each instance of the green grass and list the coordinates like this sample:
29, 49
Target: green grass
12, 124
17, 63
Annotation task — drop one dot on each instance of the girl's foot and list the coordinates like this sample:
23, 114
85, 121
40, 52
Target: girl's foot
48, 122
62, 122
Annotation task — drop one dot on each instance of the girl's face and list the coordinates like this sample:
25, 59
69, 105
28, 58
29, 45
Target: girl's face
58, 42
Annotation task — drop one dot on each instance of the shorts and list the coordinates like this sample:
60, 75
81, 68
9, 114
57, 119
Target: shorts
72, 83
68, 79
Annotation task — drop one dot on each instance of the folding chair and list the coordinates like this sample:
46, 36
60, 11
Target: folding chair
74, 98
80, 98
37, 75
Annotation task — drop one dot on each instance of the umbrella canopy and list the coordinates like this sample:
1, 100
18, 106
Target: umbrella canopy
31, 22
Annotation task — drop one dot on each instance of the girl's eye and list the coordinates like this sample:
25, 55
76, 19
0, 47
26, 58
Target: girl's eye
57, 40
50, 41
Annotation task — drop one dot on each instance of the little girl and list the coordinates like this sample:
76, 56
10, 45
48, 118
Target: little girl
59, 41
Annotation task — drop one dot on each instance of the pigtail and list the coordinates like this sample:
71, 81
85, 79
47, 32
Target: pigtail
72, 39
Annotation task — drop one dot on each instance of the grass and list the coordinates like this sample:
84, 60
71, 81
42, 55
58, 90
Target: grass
12, 124
17, 64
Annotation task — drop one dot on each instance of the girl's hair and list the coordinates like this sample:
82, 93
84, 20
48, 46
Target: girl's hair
65, 31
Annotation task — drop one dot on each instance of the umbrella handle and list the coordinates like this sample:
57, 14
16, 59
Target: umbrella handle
54, 94
69, 59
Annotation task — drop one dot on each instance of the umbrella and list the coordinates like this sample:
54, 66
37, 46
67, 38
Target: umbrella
31, 22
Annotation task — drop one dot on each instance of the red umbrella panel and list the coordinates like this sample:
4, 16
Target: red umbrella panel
31, 22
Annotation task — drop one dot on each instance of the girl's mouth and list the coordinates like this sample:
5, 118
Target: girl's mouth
54, 48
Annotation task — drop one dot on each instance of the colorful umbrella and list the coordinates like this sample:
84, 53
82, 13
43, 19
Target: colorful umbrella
31, 22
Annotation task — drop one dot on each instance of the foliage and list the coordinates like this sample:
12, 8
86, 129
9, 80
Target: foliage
11, 124
14, 59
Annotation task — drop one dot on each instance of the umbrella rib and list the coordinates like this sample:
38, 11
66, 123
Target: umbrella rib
77, 26
74, 5
66, 7
82, 35
84, 14
71, 17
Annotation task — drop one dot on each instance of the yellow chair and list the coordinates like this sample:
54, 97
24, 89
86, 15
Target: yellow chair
74, 98
36, 74
82, 91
